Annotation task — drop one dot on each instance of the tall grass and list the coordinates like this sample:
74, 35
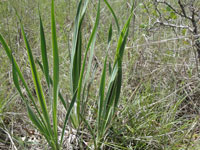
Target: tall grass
107, 106
77, 64
40, 115
41, 119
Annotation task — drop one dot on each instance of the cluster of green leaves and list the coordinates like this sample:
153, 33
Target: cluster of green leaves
77, 66
107, 106
172, 14
40, 116
41, 119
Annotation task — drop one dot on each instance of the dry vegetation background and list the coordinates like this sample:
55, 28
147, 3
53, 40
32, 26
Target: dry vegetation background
160, 98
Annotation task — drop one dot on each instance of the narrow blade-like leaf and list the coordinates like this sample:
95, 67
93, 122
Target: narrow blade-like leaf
36, 80
44, 52
55, 70
101, 98
91, 42
113, 13
51, 82
18, 72
67, 116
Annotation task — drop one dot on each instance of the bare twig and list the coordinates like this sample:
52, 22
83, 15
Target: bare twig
172, 25
164, 41
193, 16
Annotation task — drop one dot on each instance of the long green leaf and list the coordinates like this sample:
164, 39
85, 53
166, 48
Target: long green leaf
76, 46
101, 90
75, 66
44, 52
36, 81
91, 42
114, 86
67, 116
59, 93
101, 99
12, 59
122, 35
33, 117
119, 76
113, 13
76, 50
55, 71
51, 82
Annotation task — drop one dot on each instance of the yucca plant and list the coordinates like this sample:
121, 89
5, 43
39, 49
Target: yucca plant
107, 104
40, 115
